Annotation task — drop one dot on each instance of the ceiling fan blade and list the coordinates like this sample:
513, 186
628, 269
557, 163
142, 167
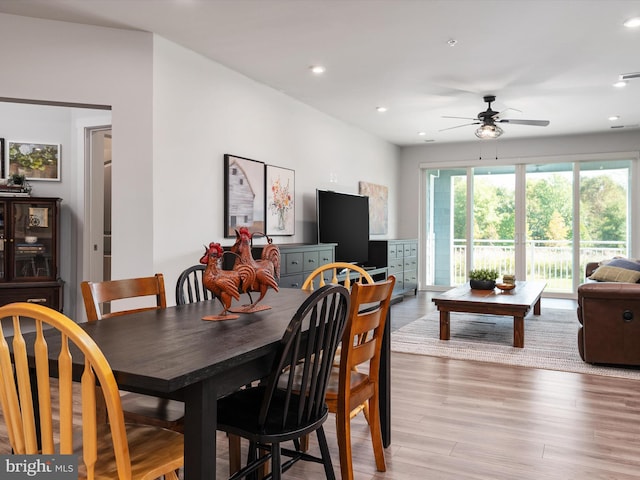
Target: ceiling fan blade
536, 123
461, 118
458, 126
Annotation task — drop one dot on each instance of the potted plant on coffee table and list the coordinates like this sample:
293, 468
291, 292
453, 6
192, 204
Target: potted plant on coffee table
483, 278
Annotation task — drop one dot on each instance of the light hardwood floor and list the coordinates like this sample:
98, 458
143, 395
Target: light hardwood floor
455, 419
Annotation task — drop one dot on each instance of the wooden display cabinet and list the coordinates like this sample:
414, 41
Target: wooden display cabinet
29, 235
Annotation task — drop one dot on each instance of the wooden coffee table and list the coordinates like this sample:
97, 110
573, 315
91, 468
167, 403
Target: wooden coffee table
516, 303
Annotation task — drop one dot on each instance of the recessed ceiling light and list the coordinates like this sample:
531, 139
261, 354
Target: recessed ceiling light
452, 42
632, 22
613, 118
381, 109
317, 69
422, 134
620, 84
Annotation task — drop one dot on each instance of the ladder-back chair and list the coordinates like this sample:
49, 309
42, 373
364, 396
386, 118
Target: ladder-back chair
138, 408
351, 387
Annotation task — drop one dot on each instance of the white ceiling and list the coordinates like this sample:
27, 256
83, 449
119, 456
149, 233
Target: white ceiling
553, 60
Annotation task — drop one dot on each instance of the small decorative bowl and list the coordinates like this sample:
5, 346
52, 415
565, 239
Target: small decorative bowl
30, 239
505, 287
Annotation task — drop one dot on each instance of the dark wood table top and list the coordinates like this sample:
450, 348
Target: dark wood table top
175, 354
168, 350
524, 295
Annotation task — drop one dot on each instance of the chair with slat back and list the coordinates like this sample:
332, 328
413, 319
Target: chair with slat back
336, 272
274, 411
352, 387
137, 408
96, 294
333, 273
113, 450
190, 288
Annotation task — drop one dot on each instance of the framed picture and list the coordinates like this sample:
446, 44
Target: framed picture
38, 217
36, 161
243, 195
281, 206
378, 209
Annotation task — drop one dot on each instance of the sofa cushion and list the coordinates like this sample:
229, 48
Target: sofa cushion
627, 263
607, 273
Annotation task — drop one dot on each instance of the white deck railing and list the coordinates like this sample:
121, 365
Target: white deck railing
550, 260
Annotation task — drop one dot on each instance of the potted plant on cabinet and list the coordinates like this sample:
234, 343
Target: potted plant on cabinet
483, 278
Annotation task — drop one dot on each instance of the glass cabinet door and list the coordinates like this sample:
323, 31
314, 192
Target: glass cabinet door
3, 238
33, 240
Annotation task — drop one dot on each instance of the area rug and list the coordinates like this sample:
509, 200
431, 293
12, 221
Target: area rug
550, 341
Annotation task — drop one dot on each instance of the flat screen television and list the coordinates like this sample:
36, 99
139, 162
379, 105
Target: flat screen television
344, 219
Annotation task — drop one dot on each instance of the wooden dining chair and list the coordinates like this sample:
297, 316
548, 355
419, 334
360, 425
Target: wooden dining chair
336, 272
351, 387
281, 409
138, 408
112, 450
190, 288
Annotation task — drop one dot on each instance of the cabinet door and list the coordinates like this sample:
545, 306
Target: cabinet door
33, 240
3, 238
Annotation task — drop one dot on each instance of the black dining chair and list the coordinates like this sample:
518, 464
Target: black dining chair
189, 287
290, 403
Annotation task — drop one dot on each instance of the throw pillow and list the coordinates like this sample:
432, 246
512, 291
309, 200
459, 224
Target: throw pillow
607, 273
627, 263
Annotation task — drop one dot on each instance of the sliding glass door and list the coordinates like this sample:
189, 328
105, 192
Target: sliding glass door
539, 221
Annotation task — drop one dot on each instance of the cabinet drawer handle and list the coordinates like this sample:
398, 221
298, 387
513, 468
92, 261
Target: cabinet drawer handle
311, 260
36, 300
294, 262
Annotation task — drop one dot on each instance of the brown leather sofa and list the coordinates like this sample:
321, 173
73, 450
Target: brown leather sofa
609, 313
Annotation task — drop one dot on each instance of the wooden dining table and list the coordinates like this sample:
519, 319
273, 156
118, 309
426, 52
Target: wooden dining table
173, 353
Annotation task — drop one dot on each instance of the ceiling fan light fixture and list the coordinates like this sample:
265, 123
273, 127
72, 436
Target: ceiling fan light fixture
487, 132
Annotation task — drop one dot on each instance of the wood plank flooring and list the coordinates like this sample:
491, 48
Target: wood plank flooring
454, 419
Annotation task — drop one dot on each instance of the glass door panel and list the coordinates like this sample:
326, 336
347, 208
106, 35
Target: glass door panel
549, 224
3, 238
33, 239
446, 205
604, 210
494, 218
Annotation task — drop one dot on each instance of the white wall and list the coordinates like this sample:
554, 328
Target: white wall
174, 115
516, 150
203, 110
63, 62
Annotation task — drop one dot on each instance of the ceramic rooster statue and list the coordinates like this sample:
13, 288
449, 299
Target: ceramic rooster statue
226, 285
265, 268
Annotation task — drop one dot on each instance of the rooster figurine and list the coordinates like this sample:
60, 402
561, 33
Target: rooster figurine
226, 285
266, 269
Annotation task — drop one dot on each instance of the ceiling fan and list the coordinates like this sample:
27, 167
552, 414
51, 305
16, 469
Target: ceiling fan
488, 119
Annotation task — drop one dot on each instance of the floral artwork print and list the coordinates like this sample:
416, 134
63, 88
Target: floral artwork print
280, 201
36, 161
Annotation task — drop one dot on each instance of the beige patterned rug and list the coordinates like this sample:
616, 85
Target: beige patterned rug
550, 341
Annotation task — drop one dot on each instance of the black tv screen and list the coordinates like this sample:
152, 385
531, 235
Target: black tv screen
344, 219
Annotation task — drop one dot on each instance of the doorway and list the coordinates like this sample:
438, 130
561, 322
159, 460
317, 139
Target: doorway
98, 145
